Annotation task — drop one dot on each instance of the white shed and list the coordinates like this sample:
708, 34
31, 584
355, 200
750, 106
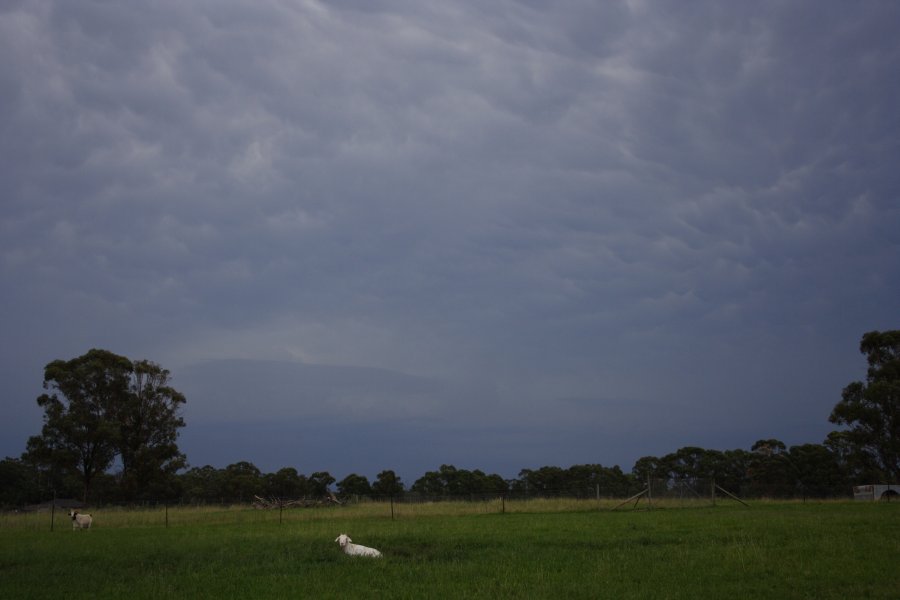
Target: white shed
876, 492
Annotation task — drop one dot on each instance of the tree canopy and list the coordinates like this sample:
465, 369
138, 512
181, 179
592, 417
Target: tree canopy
871, 409
101, 406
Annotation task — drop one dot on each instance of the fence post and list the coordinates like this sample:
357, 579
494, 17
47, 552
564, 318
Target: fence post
53, 510
503, 504
713, 492
649, 492
392, 507
166, 504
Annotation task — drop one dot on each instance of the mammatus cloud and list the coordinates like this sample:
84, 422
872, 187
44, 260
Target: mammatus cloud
681, 217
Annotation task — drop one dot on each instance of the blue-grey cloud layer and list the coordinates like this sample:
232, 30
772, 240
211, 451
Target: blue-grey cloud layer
667, 219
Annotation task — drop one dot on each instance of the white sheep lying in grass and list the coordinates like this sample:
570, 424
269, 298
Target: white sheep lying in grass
80, 521
354, 549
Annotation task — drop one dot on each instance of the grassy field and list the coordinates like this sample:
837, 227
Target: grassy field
537, 550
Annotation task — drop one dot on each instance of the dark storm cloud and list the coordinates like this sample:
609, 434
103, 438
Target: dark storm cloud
687, 210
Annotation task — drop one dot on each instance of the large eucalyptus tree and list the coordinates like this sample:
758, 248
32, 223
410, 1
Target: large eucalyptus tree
871, 409
102, 405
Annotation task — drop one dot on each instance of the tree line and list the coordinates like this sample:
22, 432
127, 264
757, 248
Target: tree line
110, 431
768, 469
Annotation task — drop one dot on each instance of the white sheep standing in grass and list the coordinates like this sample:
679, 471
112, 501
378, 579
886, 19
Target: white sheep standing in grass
80, 521
354, 549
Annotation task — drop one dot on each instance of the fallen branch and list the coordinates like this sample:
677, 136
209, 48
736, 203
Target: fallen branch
261, 503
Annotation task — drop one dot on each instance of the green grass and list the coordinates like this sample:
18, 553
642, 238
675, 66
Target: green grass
772, 550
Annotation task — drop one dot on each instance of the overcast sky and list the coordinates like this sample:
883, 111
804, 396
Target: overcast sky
369, 235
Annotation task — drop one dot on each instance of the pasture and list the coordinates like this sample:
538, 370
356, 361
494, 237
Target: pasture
461, 550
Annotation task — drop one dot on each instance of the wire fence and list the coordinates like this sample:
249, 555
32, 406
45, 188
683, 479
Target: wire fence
654, 494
